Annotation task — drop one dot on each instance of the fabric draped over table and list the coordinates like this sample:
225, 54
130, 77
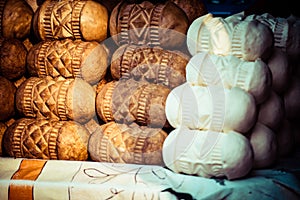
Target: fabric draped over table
58, 179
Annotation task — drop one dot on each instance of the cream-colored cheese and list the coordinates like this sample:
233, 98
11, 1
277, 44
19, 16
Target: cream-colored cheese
251, 40
279, 27
213, 108
208, 153
247, 40
229, 71
210, 34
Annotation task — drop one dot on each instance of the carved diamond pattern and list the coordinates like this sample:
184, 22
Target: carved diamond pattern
140, 20
35, 140
121, 141
59, 60
121, 99
45, 99
119, 148
62, 19
146, 65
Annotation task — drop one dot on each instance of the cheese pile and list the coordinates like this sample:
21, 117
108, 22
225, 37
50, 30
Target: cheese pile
234, 113
169, 84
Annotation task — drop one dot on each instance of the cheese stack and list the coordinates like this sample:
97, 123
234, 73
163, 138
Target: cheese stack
133, 113
281, 111
15, 23
209, 114
57, 96
149, 61
228, 84
292, 106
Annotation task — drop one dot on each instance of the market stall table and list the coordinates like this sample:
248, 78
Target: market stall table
58, 179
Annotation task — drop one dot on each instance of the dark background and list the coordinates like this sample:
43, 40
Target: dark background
278, 8
224, 8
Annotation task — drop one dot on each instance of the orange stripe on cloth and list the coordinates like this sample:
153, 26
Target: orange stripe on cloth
29, 170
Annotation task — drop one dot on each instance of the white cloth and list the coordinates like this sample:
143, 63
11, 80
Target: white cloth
93, 180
